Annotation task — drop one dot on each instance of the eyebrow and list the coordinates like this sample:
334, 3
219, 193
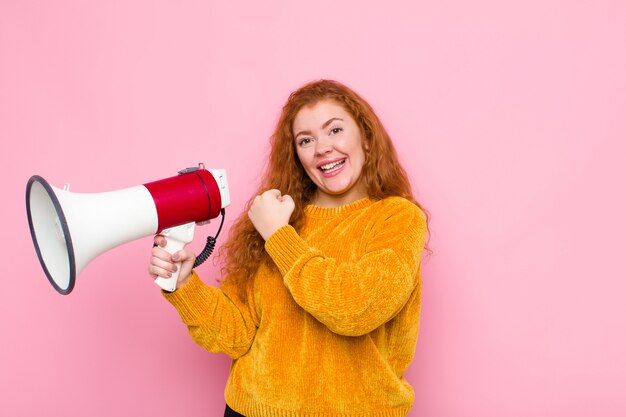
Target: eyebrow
324, 126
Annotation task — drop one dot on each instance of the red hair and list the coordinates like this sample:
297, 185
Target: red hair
382, 173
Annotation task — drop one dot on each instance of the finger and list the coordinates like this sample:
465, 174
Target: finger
157, 271
187, 260
159, 240
286, 198
162, 254
272, 193
162, 264
184, 256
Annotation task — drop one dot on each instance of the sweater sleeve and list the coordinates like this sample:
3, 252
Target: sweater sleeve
216, 318
354, 297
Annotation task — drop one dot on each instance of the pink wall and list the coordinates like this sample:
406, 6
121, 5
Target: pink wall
509, 118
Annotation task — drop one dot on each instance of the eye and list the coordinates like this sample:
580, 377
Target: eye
304, 142
335, 130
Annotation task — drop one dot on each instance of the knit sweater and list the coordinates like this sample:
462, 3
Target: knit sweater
331, 327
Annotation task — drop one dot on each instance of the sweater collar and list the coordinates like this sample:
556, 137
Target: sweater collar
325, 212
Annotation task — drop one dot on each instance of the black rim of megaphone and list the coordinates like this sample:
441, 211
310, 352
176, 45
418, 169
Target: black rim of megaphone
66, 233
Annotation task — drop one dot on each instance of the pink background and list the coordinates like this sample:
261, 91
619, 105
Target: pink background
509, 116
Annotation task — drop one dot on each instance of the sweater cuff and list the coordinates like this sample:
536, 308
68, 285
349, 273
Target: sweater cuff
285, 247
190, 298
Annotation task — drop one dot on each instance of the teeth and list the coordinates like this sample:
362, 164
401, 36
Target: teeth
332, 165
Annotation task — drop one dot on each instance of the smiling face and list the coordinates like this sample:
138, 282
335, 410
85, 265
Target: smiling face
330, 147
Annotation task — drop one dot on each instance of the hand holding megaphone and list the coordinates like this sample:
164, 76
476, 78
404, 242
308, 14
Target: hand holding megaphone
173, 268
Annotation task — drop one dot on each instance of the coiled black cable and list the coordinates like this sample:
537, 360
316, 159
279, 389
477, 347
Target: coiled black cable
210, 244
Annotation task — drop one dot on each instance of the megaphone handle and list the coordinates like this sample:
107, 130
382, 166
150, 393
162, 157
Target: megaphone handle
177, 237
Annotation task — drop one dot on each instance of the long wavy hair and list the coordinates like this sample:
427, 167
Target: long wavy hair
382, 173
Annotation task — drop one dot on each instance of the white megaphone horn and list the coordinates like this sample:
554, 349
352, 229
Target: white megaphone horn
70, 229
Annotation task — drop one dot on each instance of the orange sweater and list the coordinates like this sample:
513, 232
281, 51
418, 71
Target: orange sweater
332, 328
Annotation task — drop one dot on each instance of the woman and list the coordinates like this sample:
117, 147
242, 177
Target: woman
320, 304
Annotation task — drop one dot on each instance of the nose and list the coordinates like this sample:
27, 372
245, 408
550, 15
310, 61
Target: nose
323, 146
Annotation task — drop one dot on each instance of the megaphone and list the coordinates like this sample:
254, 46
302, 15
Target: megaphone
70, 229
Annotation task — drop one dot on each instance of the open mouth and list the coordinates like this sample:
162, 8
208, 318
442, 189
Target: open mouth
332, 166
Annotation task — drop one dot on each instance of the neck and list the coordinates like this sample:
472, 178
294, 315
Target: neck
324, 200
